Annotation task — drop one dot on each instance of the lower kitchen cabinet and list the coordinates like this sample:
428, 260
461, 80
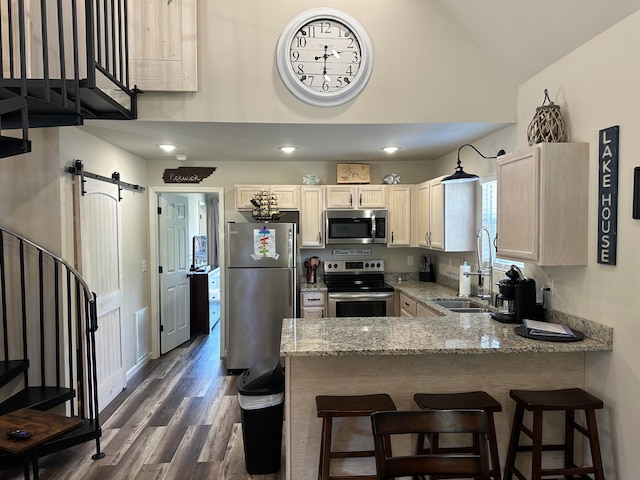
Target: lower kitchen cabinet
205, 300
412, 308
313, 304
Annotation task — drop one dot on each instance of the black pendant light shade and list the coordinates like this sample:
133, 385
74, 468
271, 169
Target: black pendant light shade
459, 175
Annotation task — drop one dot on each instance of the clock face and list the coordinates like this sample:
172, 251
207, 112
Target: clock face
324, 57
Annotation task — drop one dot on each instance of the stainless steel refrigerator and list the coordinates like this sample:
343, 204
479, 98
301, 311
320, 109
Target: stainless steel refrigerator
261, 289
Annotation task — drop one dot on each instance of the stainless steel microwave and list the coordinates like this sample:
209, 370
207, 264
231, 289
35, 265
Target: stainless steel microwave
355, 226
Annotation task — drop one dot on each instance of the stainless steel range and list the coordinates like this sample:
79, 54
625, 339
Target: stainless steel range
356, 288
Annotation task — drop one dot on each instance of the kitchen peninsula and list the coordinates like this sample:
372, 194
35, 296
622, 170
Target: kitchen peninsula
401, 356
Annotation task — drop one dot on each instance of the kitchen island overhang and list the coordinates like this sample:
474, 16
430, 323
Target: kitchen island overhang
406, 355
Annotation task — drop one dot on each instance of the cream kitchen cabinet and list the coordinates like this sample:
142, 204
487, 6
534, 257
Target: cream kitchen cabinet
400, 201
542, 204
446, 215
408, 306
412, 308
313, 304
355, 196
288, 196
311, 217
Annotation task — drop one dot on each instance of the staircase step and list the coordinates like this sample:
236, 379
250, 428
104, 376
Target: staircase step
10, 146
10, 369
39, 398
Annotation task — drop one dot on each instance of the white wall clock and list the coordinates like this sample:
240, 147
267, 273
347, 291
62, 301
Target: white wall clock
324, 57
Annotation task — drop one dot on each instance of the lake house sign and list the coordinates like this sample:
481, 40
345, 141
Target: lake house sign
187, 174
608, 195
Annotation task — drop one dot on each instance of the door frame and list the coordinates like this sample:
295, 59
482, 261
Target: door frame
154, 283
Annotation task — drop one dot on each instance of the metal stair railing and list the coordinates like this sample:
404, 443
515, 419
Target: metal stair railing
49, 319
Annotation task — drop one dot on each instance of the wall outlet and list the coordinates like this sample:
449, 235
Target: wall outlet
144, 266
409, 260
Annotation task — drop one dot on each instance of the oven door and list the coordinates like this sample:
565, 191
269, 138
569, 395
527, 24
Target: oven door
360, 304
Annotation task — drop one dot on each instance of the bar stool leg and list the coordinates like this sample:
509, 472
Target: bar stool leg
594, 443
536, 450
325, 455
513, 441
569, 440
493, 442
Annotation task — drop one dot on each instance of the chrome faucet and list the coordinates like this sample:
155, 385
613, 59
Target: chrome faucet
482, 291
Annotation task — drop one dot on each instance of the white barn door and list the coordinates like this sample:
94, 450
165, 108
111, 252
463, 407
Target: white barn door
99, 260
173, 230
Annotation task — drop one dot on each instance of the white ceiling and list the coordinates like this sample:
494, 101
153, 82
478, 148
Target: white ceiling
540, 32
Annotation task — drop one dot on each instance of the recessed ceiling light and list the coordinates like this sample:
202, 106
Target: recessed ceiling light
288, 149
167, 147
390, 149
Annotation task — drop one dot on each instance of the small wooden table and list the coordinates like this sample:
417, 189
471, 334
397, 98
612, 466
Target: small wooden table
43, 425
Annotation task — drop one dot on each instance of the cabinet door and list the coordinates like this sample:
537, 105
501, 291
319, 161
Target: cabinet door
424, 202
163, 45
399, 215
343, 197
311, 217
244, 194
518, 176
436, 215
372, 196
423, 311
407, 306
287, 196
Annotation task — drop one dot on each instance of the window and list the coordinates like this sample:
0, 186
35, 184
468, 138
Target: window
489, 217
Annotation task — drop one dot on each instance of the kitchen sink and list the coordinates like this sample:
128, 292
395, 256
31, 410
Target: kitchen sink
461, 306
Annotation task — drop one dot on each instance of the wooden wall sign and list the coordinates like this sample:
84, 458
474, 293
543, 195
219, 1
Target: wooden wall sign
608, 195
187, 174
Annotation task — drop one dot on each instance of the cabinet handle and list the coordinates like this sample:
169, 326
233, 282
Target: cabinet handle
319, 237
360, 199
314, 299
391, 237
351, 199
406, 304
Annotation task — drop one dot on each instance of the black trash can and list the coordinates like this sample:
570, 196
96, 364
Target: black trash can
261, 398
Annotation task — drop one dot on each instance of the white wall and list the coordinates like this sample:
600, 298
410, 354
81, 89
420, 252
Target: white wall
598, 86
425, 69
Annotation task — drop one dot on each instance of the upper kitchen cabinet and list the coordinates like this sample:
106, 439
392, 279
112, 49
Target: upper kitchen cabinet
311, 217
355, 197
287, 195
400, 201
542, 204
163, 45
446, 215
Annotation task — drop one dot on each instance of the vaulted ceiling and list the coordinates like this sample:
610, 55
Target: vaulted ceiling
525, 38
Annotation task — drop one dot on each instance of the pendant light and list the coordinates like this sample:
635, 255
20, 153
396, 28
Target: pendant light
459, 175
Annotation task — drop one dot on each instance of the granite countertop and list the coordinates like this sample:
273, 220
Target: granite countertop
450, 333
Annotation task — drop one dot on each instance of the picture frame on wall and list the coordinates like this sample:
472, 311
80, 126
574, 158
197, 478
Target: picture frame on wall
353, 173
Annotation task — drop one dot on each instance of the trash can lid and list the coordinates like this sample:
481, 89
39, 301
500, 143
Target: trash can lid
264, 378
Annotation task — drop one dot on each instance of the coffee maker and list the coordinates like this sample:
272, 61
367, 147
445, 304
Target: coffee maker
517, 297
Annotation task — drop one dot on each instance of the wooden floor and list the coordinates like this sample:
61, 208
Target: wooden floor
179, 418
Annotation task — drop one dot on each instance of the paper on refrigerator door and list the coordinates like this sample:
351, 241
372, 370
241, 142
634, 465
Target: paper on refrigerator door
264, 243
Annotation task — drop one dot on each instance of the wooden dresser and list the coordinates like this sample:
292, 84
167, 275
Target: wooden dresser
205, 300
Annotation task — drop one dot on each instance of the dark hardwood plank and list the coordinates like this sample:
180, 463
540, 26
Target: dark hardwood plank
178, 418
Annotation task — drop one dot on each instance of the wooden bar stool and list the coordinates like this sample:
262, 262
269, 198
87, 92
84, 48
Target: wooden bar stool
328, 408
567, 400
461, 401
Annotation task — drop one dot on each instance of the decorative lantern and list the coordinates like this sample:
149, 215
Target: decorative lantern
547, 124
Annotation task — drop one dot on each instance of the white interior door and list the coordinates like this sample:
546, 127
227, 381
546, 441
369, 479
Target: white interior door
99, 260
173, 244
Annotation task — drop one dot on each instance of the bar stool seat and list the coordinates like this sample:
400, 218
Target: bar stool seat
461, 401
332, 406
567, 400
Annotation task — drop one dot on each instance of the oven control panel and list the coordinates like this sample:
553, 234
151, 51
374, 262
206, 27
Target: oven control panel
353, 266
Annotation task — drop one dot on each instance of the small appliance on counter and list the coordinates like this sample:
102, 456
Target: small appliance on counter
312, 264
427, 273
517, 298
